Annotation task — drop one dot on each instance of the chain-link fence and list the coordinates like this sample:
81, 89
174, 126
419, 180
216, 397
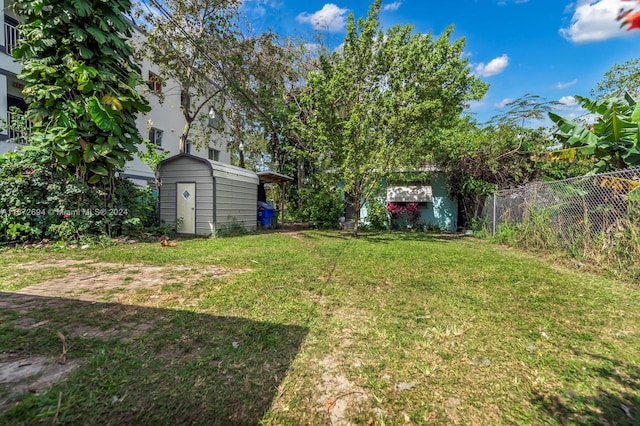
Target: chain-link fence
576, 208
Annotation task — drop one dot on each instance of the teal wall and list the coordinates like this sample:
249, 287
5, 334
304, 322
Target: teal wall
441, 213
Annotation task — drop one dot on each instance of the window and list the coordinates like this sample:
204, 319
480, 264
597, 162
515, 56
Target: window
11, 34
155, 136
155, 83
188, 148
214, 154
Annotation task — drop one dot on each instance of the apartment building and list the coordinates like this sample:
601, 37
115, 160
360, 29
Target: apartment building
163, 124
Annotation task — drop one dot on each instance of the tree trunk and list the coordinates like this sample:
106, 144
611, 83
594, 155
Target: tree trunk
184, 136
301, 173
238, 136
275, 148
182, 145
356, 214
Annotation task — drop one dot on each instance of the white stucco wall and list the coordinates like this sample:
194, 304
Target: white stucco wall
166, 116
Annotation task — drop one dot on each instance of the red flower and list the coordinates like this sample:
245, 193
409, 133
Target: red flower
633, 20
394, 209
66, 215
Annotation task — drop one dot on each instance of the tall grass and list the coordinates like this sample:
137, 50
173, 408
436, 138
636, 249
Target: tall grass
615, 250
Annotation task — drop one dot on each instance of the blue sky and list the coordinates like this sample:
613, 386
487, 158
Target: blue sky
551, 48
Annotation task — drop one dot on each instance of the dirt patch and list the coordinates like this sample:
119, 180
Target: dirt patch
20, 374
337, 392
95, 281
85, 281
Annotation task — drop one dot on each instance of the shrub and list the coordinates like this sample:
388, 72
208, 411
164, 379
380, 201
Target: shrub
377, 215
413, 213
37, 201
395, 214
321, 207
409, 215
615, 250
231, 229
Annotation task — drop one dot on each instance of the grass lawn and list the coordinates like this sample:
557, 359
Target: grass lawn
318, 328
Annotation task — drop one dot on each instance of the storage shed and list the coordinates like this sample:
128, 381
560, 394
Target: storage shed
206, 195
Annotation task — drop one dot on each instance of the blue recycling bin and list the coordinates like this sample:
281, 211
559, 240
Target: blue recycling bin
265, 214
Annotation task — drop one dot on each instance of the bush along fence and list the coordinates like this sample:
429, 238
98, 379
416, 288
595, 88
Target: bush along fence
595, 217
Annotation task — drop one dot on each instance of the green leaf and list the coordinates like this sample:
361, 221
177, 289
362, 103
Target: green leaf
99, 170
98, 34
94, 179
85, 52
83, 7
89, 154
115, 162
85, 87
635, 116
99, 114
634, 195
62, 158
632, 157
78, 33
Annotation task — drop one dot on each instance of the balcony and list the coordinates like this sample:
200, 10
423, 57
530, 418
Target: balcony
19, 128
10, 37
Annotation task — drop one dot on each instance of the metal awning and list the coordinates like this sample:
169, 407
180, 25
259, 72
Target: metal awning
277, 178
273, 177
409, 194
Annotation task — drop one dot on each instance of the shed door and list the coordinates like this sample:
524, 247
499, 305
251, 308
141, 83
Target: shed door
187, 207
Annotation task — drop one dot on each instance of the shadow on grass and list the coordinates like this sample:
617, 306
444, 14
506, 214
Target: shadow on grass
616, 400
140, 365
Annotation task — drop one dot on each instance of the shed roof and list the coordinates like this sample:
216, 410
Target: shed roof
215, 167
273, 177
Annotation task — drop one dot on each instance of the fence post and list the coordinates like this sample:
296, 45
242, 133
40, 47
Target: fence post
495, 196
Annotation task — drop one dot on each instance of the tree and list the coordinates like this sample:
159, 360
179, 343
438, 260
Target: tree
613, 139
481, 160
620, 79
80, 84
219, 65
190, 42
260, 78
524, 110
378, 99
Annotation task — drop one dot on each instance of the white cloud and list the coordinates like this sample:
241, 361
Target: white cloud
568, 107
561, 85
568, 101
494, 67
312, 47
391, 7
330, 18
258, 8
503, 103
569, 8
595, 21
